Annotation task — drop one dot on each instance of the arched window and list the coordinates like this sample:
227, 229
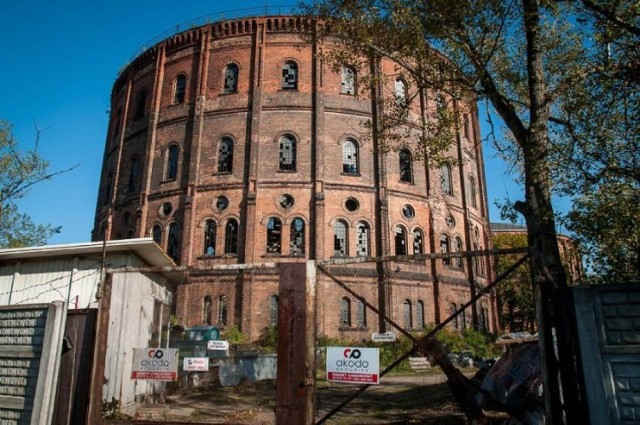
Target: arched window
156, 234
406, 166
345, 312
340, 239
454, 309
349, 157
173, 241
418, 241
407, 316
444, 248
210, 229
206, 310
483, 318
420, 314
478, 261
222, 310
140, 105
231, 237
400, 91
361, 314
230, 79
290, 76
225, 155
473, 192
457, 262
465, 127
401, 240
296, 238
171, 168
362, 239
348, 81
287, 155
445, 179
179, 89
134, 174
274, 236
273, 310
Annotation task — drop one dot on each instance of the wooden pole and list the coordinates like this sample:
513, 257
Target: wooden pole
296, 344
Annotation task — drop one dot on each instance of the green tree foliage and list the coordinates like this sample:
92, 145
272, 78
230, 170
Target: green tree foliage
605, 219
516, 303
19, 172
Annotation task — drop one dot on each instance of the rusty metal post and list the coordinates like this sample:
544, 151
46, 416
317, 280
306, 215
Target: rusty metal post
296, 344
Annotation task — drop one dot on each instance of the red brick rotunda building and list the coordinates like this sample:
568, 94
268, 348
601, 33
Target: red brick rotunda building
234, 143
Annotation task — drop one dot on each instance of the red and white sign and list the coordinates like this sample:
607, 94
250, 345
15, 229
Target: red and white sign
353, 365
158, 364
195, 364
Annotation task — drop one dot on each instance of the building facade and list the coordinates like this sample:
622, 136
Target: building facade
234, 142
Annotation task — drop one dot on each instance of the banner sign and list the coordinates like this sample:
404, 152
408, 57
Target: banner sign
217, 345
195, 364
158, 364
353, 365
383, 337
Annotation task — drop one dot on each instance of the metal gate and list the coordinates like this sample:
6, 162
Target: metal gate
419, 381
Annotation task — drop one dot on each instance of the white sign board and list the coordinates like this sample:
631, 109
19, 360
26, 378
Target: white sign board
217, 345
353, 365
158, 364
195, 364
383, 337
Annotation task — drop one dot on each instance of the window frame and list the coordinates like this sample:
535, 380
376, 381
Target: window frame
231, 233
210, 235
363, 247
297, 249
348, 84
225, 159
345, 312
350, 157
400, 240
230, 69
274, 236
288, 66
172, 162
344, 251
180, 89
405, 165
291, 141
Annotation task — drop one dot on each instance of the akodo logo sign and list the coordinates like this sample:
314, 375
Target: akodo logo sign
160, 364
353, 365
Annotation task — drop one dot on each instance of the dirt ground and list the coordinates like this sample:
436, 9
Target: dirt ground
397, 400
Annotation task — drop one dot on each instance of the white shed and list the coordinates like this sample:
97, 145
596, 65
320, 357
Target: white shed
133, 305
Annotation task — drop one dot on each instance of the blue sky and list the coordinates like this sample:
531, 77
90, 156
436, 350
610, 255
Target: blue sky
60, 59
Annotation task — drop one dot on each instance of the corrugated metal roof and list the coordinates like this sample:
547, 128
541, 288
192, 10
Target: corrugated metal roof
145, 248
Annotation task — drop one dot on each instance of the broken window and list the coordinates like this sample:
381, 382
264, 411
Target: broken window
274, 236
348, 81
406, 171
345, 312
179, 89
230, 79
296, 247
362, 239
225, 155
340, 248
287, 153
418, 241
401, 240
444, 248
349, 157
290, 76
210, 229
231, 237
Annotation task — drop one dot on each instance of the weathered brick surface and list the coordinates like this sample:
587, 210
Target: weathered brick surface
320, 118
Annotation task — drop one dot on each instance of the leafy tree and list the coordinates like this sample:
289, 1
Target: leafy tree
604, 219
19, 172
516, 304
535, 64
